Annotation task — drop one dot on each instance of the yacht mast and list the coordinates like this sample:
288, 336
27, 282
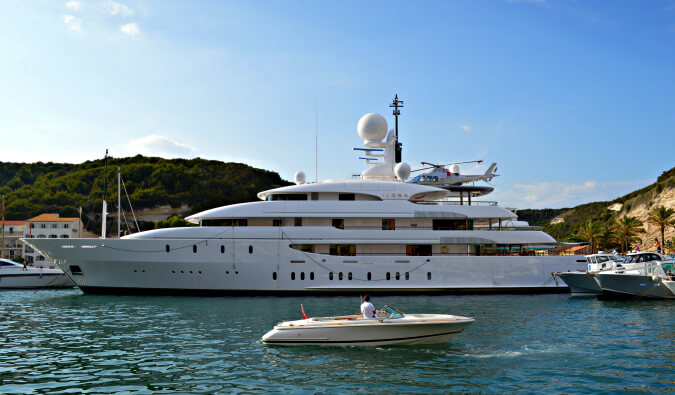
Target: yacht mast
396, 104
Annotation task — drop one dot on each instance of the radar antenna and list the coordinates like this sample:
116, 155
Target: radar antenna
396, 104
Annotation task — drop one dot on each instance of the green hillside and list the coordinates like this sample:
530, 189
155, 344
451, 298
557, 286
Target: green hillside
34, 188
576, 217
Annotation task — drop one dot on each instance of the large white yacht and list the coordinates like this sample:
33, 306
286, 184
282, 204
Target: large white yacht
375, 234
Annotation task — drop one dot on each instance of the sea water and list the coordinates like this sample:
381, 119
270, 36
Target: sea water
69, 342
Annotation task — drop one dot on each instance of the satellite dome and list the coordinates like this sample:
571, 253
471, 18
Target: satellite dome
402, 171
372, 128
454, 169
300, 178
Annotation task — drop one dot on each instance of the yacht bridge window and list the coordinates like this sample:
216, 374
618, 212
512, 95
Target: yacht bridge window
225, 222
287, 196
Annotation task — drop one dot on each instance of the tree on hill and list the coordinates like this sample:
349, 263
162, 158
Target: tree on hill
591, 231
662, 217
627, 229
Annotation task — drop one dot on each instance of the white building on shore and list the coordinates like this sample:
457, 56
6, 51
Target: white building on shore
13, 232
48, 226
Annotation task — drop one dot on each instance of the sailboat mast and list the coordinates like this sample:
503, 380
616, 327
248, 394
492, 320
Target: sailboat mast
104, 214
119, 203
3, 226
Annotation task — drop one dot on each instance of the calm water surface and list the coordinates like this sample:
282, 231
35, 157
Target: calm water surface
69, 342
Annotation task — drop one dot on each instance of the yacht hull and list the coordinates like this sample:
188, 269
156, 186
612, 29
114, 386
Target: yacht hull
35, 281
271, 266
581, 283
633, 286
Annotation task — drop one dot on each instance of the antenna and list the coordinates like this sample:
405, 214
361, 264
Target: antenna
316, 140
396, 104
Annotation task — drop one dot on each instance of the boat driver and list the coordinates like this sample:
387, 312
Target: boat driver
367, 308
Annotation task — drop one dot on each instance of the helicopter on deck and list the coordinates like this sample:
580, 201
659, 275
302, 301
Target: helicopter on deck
441, 176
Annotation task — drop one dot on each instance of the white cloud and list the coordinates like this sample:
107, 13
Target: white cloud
74, 5
154, 145
114, 8
130, 29
466, 127
73, 23
558, 194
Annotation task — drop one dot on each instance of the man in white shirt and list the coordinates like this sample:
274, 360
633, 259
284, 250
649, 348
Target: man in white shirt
367, 308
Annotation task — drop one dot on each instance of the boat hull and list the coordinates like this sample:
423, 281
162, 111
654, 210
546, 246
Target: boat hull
35, 281
633, 286
375, 334
271, 266
581, 283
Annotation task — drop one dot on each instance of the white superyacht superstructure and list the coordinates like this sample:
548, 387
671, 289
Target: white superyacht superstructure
375, 234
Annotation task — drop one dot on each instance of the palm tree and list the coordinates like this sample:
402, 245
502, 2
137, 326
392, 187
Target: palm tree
627, 229
592, 232
662, 217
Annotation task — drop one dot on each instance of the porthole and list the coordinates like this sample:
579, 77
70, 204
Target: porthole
292, 275
222, 249
311, 275
274, 275
135, 271
302, 276
250, 249
330, 276
167, 248
236, 272
398, 276
340, 276
190, 271
428, 275
369, 276
388, 276
227, 272
349, 276
173, 271
194, 248
407, 275
181, 272
200, 272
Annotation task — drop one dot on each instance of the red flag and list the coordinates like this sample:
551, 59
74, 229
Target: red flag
304, 316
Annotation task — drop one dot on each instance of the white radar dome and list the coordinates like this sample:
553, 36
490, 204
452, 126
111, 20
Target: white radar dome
454, 169
300, 178
372, 128
402, 171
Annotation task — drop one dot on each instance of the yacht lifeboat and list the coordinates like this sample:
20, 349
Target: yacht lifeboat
390, 326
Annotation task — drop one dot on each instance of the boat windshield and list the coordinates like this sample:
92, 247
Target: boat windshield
390, 312
668, 268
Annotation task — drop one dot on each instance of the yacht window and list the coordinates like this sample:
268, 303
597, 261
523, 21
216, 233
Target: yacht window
222, 249
239, 222
167, 248
303, 247
398, 276
340, 276
388, 276
428, 275
449, 224
388, 224
407, 275
194, 248
64, 236
311, 275
315, 195
349, 276
369, 276
297, 222
287, 196
276, 222
53, 236
343, 249
346, 196
292, 275
418, 249
250, 249
274, 275
338, 223
330, 276
217, 222
302, 276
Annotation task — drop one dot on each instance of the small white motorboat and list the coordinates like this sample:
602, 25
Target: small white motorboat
390, 326
649, 280
15, 275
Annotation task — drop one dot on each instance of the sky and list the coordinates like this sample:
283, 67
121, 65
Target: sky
575, 100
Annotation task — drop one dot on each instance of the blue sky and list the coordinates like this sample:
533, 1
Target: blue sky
575, 100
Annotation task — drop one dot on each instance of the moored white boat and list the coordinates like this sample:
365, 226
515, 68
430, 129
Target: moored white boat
16, 276
583, 283
389, 327
647, 279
